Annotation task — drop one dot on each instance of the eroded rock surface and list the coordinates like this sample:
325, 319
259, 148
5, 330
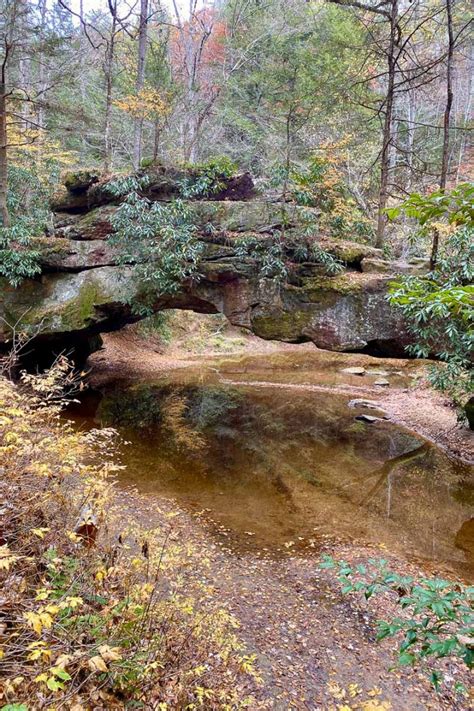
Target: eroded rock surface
83, 291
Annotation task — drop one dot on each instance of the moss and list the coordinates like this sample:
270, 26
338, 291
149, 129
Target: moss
68, 315
339, 283
80, 180
282, 325
349, 252
346, 283
51, 246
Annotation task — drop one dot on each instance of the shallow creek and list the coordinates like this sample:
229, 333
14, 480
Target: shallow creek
275, 465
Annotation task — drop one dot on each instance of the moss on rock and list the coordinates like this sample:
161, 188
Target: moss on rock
281, 325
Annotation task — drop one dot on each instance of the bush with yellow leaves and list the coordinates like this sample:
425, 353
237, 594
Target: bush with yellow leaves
87, 618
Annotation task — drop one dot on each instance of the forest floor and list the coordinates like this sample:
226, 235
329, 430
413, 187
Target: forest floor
195, 344
315, 648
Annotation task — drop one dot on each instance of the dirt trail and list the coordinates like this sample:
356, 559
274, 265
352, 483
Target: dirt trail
316, 649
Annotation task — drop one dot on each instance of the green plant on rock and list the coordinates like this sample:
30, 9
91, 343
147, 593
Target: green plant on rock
439, 311
158, 240
207, 179
28, 206
275, 256
438, 615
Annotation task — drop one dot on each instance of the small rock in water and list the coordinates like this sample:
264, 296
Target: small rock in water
356, 370
382, 373
367, 418
357, 402
382, 382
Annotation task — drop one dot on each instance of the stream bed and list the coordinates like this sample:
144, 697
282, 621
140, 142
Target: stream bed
278, 467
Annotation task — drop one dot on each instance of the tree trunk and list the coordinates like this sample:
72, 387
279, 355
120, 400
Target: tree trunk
108, 70
4, 214
41, 69
449, 97
156, 140
446, 125
387, 129
142, 47
411, 117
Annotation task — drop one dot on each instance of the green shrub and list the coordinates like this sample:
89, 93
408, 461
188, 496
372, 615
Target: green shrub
207, 179
439, 312
274, 257
438, 618
158, 240
28, 205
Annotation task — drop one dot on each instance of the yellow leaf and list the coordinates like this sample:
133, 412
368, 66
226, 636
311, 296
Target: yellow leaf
7, 558
39, 532
97, 664
73, 537
336, 691
74, 602
375, 691
101, 574
41, 678
354, 690
34, 621
109, 654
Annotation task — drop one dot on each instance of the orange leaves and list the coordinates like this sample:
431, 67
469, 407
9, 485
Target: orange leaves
198, 46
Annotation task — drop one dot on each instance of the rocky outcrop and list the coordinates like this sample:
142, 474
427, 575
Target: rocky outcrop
83, 291
85, 190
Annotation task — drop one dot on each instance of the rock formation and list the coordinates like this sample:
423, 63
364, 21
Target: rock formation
82, 291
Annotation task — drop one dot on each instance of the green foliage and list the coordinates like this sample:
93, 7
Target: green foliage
439, 312
275, 256
438, 617
207, 178
269, 256
455, 207
158, 240
28, 204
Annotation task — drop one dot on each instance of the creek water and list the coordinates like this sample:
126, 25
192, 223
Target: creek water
275, 465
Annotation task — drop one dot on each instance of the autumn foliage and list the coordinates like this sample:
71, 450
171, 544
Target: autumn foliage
95, 613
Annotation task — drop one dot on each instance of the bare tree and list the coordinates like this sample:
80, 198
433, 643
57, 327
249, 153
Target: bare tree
393, 52
101, 40
4, 214
449, 96
140, 79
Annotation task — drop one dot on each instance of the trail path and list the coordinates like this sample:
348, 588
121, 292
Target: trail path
316, 649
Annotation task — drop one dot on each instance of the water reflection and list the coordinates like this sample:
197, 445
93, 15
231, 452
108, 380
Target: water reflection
279, 469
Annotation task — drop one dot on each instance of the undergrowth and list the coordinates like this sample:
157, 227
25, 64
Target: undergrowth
94, 612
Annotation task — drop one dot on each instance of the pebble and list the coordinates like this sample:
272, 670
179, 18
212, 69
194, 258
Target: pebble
367, 418
356, 370
382, 382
